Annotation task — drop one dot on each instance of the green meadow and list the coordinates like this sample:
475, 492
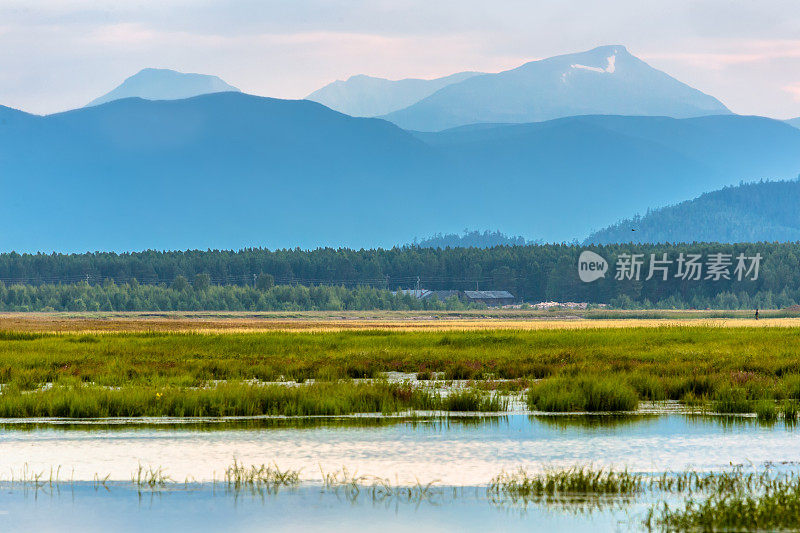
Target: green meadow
727, 369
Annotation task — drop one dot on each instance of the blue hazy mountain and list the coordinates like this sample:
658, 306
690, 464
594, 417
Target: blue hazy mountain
752, 212
164, 84
607, 80
556, 180
231, 170
470, 239
366, 96
794, 122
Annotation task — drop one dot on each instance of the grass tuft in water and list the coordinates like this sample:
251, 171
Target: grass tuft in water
473, 400
578, 480
238, 476
733, 481
150, 477
789, 410
775, 507
731, 400
590, 394
766, 411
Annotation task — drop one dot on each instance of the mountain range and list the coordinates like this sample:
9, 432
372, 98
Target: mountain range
366, 96
164, 84
607, 80
169, 169
751, 212
229, 169
794, 122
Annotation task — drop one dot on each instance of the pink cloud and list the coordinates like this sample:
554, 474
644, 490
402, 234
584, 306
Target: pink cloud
794, 90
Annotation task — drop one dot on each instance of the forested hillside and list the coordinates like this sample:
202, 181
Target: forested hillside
752, 212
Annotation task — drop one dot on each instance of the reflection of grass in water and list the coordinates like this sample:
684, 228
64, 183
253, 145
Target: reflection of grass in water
413, 420
379, 489
569, 421
765, 503
575, 504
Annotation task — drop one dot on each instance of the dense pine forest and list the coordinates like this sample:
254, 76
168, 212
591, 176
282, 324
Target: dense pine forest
260, 279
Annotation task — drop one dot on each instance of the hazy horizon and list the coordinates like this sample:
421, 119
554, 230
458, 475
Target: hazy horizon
56, 56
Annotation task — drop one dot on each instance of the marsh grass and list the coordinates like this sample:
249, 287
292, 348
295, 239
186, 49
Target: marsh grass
731, 400
151, 477
657, 362
464, 400
577, 480
773, 506
724, 369
732, 481
270, 477
789, 410
766, 411
239, 399
589, 394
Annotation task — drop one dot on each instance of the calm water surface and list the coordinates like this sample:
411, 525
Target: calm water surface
455, 452
80, 507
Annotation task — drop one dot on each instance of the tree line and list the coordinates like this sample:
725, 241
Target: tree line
540, 272
183, 296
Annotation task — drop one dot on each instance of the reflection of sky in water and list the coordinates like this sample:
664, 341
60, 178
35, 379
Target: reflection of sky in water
82, 508
453, 453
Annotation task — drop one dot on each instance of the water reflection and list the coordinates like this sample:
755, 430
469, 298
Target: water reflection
206, 507
567, 421
460, 451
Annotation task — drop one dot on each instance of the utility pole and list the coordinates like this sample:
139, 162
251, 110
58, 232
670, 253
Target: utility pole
417, 282
254, 280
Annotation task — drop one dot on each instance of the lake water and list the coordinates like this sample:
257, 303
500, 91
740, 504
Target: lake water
460, 455
82, 508
458, 452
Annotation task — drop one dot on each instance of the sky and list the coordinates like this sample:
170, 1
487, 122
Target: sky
60, 54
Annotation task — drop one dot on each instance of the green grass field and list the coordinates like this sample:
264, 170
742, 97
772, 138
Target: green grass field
585, 369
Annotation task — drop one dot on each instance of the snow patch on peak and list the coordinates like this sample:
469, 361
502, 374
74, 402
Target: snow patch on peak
609, 69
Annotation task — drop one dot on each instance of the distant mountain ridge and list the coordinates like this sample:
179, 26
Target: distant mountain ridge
607, 80
751, 212
470, 239
794, 122
230, 170
367, 96
164, 84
